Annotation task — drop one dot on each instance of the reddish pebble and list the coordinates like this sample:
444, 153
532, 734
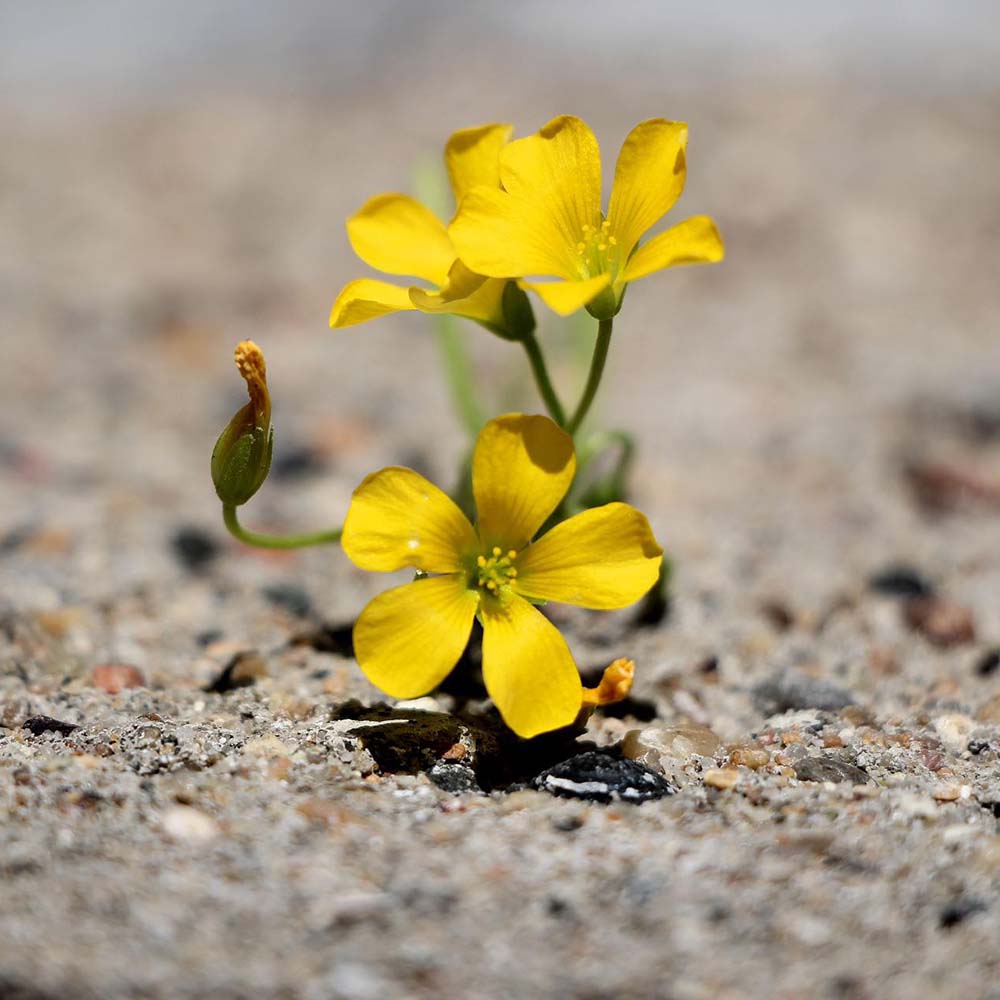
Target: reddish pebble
943, 622
115, 677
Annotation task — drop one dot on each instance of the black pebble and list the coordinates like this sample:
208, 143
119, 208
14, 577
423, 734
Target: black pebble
297, 463
194, 548
39, 724
600, 777
900, 581
824, 768
988, 663
289, 596
958, 911
452, 777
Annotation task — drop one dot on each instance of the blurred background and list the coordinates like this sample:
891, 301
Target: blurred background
176, 178
822, 407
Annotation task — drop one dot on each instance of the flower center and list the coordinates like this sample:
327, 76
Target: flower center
597, 250
496, 571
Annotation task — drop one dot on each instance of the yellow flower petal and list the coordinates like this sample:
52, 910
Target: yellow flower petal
565, 297
472, 156
649, 178
397, 518
397, 235
521, 468
407, 639
602, 558
528, 669
694, 241
465, 294
552, 189
366, 299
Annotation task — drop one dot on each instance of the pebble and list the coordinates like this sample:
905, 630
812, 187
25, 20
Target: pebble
951, 792
788, 690
988, 663
900, 581
244, 669
955, 730
826, 768
115, 677
601, 777
194, 548
749, 756
266, 746
722, 778
990, 710
942, 622
39, 724
189, 824
650, 745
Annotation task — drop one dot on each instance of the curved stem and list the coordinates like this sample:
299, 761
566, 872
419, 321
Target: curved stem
542, 379
276, 541
594, 376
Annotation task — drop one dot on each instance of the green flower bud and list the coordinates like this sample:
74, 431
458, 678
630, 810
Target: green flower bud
241, 458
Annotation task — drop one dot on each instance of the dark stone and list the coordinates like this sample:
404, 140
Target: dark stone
788, 691
567, 824
900, 581
208, 636
289, 596
241, 671
39, 724
976, 747
830, 769
194, 548
958, 911
453, 777
338, 639
601, 777
297, 462
778, 614
988, 663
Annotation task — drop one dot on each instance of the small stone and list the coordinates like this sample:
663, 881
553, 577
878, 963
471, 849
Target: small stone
959, 911
116, 677
792, 691
990, 710
722, 778
955, 730
749, 756
825, 768
266, 746
453, 777
650, 745
189, 824
244, 669
988, 664
39, 724
601, 777
947, 793
424, 704
900, 581
194, 548
289, 596
942, 622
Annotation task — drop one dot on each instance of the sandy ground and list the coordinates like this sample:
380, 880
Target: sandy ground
820, 411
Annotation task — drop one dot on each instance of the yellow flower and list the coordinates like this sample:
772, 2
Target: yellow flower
396, 234
547, 220
408, 639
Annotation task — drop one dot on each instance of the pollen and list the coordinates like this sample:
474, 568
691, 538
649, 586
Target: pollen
597, 250
494, 573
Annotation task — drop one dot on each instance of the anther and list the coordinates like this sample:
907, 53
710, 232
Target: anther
481, 561
497, 550
512, 554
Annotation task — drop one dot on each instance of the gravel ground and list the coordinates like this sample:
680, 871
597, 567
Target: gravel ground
197, 796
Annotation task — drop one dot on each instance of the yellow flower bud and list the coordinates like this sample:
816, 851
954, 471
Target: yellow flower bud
241, 458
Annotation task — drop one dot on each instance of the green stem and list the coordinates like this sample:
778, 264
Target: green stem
276, 541
542, 379
459, 375
594, 376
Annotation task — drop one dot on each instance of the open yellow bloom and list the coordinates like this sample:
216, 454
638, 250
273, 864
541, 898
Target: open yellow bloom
396, 234
547, 220
408, 639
